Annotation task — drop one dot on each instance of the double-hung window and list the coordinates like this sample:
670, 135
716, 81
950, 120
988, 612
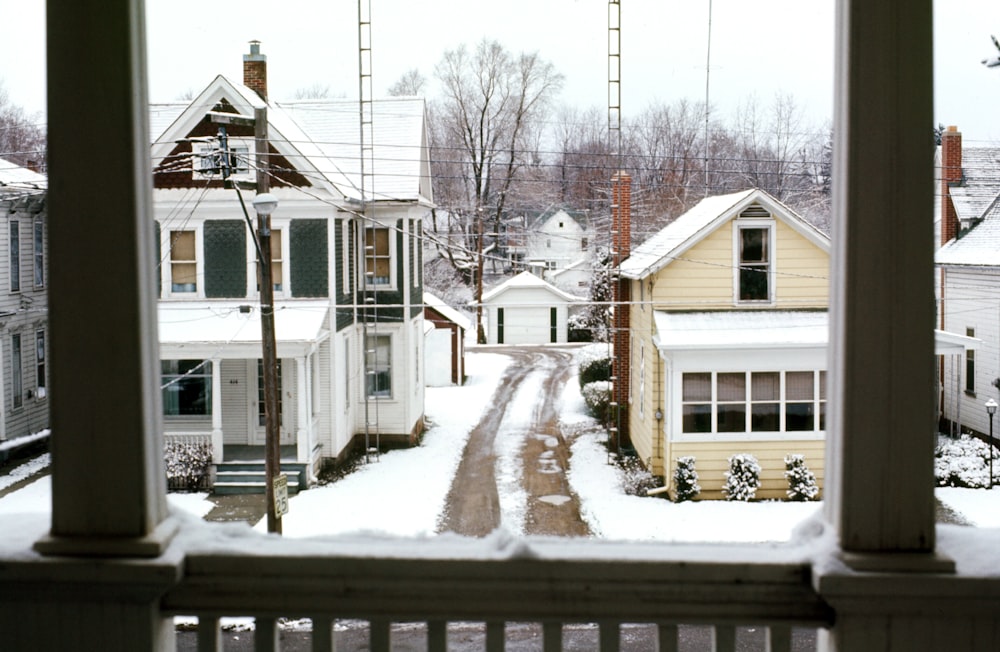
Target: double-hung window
38, 250
378, 256
210, 162
16, 372
40, 384
183, 262
15, 255
970, 365
754, 259
378, 366
186, 387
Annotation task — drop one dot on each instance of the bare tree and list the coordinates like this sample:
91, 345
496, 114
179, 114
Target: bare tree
411, 83
22, 136
315, 92
493, 101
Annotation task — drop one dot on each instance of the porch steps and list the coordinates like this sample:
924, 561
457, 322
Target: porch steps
249, 477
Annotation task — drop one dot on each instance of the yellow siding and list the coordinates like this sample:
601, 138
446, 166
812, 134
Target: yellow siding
712, 462
702, 278
802, 270
642, 425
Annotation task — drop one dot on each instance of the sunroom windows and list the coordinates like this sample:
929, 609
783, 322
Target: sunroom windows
753, 402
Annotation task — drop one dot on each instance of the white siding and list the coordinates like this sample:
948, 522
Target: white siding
235, 408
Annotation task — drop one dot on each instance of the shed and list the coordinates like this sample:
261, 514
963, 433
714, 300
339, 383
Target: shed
527, 310
444, 343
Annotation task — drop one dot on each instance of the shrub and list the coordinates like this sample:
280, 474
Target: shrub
187, 464
686, 485
742, 478
597, 395
636, 480
578, 329
963, 462
594, 362
801, 481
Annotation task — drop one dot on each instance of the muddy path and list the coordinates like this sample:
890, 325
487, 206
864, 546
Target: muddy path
473, 504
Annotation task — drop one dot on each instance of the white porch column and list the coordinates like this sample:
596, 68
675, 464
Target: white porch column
879, 483
217, 442
879, 490
106, 412
303, 418
108, 480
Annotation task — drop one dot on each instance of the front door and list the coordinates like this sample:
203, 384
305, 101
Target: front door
258, 433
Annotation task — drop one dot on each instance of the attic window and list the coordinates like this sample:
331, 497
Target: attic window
753, 258
755, 211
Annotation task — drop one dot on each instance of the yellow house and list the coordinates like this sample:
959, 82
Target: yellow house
728, 347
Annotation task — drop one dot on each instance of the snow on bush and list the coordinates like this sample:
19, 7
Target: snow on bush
636, 480
742, 478
964, 462
597, 395
594, 362
187, 464
686, 485
801, 481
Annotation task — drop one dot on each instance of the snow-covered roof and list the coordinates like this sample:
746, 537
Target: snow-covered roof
976, 200
446, 311
17, 179
221, 329
321, 137
529, 280
704, 218
740, 329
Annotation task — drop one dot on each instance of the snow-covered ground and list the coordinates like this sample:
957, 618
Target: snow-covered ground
404, 492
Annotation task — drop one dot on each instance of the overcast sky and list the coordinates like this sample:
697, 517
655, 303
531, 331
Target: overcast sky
758, 48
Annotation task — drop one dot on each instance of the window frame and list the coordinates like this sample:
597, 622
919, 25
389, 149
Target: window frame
14, 254
970, 365
41, 386
390, 257
171, 238
16, 372
279, 256
242, 151
38, 252
199, 373
377, 367
740, 266
714, 404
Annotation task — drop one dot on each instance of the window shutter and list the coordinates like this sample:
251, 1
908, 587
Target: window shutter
309, 258
225, 259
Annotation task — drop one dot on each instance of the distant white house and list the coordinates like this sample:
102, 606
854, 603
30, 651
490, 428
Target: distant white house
969, 266
554, 245
527, 310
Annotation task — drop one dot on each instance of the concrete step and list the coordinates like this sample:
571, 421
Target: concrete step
229, 482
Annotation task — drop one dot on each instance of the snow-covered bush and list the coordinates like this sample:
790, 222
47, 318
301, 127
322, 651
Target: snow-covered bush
686, 485
964, 462
636, 480
597, 395
742, 478
594, 362
578, 330
187, 464
801, 481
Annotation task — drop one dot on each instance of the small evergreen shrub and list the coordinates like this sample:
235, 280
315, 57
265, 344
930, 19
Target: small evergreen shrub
686, 485
578, 329
594, 363
742, 478
964, 462
636, 480
597, 395
187, 464
801, 481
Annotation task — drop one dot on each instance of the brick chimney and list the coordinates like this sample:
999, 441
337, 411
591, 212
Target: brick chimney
621, 247
951, 174
255, 70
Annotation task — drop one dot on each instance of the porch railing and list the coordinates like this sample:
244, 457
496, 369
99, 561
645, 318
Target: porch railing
550, 583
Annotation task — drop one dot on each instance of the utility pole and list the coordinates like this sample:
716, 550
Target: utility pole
272, 445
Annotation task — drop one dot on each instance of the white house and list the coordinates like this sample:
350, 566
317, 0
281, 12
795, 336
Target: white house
345, 265
527, 310
969, 266
554, 245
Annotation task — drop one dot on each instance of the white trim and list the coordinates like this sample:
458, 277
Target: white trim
739, 225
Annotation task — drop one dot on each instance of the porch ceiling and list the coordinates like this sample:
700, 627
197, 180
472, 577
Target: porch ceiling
231, 330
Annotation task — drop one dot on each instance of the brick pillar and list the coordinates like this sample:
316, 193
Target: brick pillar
255, 70
951, 174
621, 227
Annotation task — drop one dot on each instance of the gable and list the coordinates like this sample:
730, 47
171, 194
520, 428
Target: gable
709, 273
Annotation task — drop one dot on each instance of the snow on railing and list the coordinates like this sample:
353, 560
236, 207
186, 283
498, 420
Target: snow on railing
555, 584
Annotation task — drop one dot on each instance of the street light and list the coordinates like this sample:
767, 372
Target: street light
991, 409
265, 203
